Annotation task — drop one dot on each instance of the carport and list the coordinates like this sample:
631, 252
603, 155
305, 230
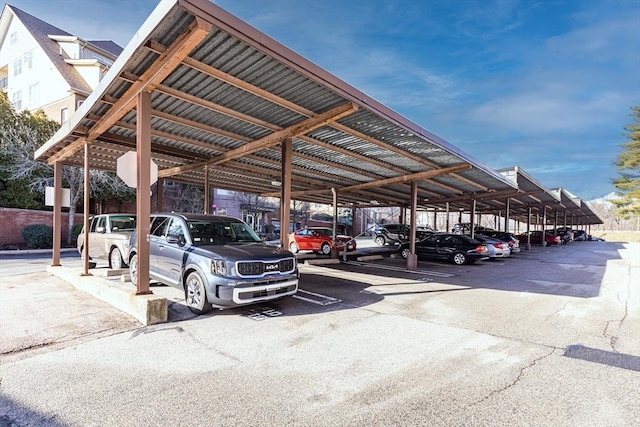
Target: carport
214, 102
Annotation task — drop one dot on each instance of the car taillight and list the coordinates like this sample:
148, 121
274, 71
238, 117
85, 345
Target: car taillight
497, 245
481, 249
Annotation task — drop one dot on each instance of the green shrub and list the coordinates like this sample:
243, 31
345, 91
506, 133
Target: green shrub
38, 236
75, 231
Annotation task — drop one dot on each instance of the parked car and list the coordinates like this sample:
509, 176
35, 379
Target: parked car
566, 234
497, 248
505, 236
394, 233
109, 238
465, 228
580, 235
456, 248
319, 239
218, 261
536, 238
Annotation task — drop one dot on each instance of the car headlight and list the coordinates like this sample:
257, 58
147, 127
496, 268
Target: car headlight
219, 267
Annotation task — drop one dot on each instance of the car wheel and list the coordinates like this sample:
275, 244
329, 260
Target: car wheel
195, 294
325, 248
293, 247
133, 269
91, 264
380, 241
459, 258
405, 253
115, 259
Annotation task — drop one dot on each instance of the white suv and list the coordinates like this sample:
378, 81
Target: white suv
109, 238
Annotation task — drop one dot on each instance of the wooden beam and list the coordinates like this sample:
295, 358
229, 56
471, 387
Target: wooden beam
154, 75
408, 178
270, 140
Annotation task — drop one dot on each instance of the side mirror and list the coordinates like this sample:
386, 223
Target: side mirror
100, 230
176, 239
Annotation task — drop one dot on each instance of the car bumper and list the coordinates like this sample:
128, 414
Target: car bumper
236, 294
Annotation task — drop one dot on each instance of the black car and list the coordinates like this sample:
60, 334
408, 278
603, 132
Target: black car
456, 248
394, 234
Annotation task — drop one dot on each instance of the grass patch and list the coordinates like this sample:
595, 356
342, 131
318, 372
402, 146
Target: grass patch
618, 236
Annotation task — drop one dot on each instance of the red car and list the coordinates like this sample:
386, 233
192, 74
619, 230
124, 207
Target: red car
536, 238
319, 239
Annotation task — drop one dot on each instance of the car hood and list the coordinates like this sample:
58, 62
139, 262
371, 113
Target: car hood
243, 251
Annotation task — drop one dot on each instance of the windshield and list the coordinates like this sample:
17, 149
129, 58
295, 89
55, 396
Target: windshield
221, 233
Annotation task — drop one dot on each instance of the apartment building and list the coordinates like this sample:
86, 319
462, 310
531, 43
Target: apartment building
45, 67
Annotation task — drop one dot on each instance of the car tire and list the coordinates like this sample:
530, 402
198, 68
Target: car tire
325, 248
405, 253
91, 264
293, 247
380, 240
459, 258
195, 294
133, 269
115, 259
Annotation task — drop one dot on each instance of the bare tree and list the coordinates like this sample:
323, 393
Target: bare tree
189, 198
21, 141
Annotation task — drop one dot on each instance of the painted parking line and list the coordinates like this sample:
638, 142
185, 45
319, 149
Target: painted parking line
315, 298
404, 270
263, 313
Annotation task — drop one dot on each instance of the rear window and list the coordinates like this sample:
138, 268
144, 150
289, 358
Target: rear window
123, 223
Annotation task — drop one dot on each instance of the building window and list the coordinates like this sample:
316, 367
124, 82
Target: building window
34, 94
17, 67
17, 100
79, 104
64, 115
28, 60
13, 38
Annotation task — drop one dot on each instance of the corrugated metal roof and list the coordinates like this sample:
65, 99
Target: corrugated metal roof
236, 86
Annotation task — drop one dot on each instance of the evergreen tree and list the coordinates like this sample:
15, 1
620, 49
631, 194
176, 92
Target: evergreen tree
628, 164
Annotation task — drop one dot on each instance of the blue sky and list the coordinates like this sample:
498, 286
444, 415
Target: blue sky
546, 85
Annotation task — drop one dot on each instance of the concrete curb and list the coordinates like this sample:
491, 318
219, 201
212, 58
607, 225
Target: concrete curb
147, 309
35, 251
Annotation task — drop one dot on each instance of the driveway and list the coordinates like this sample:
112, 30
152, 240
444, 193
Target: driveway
548, 338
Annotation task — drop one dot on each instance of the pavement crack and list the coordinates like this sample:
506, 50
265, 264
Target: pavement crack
516, 379
612, 326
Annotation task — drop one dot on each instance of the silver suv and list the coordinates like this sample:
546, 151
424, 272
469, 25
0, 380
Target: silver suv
109, 238
218, 261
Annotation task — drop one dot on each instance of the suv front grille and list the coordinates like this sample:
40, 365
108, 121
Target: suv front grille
259, 268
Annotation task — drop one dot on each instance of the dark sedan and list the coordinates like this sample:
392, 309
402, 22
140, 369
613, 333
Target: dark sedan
456, 248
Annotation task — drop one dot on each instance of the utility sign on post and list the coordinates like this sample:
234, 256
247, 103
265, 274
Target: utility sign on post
128, 169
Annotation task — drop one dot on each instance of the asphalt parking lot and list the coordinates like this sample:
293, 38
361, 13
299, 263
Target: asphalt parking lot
550, 336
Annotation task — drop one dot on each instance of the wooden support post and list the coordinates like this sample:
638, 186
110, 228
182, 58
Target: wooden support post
143, 203
57, 212
285, 192
412, 259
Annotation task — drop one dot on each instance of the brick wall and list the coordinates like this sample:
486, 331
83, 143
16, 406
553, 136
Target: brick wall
13, 221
